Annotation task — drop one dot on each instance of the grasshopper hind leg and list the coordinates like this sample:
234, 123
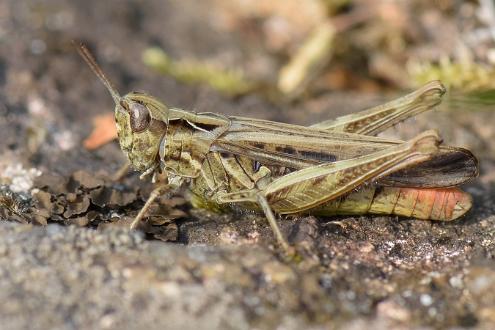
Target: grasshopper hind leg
314, 186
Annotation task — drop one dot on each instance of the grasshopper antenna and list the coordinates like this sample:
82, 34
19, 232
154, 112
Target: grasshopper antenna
89, 58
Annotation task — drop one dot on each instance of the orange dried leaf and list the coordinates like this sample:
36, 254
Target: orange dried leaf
104, 131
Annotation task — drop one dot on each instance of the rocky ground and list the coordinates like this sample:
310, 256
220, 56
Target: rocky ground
69, 262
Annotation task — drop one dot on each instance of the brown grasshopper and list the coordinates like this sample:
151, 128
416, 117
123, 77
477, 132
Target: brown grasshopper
334, 167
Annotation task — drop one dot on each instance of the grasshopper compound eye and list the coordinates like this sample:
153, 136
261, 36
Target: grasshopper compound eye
140, 117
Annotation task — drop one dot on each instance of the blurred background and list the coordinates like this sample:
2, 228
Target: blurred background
295, 61
298, 61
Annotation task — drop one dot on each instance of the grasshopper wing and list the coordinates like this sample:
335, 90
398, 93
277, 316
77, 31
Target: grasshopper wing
450, 167
294, 147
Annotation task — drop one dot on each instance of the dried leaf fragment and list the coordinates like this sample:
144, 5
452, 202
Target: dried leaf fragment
104, 131
109, 196
87, 180
42, 200
77, 206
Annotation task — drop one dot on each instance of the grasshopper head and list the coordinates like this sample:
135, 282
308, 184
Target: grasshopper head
141, 121
140, 128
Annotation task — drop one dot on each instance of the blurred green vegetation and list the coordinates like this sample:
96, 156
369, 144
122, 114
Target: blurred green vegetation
319, 46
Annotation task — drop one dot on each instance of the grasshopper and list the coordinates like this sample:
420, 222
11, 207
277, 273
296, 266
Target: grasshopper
334, 167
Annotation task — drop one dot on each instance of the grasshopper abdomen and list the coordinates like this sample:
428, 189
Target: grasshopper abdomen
443, 204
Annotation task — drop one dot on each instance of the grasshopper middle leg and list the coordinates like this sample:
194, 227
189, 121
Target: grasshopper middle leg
273, 223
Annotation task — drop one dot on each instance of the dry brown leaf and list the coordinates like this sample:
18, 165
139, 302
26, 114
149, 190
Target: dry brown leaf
103, 132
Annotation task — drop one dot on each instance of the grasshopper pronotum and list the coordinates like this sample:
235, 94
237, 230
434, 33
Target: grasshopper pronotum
334, 167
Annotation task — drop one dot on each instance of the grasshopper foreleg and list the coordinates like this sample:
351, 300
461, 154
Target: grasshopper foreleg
121, 172
154, 195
